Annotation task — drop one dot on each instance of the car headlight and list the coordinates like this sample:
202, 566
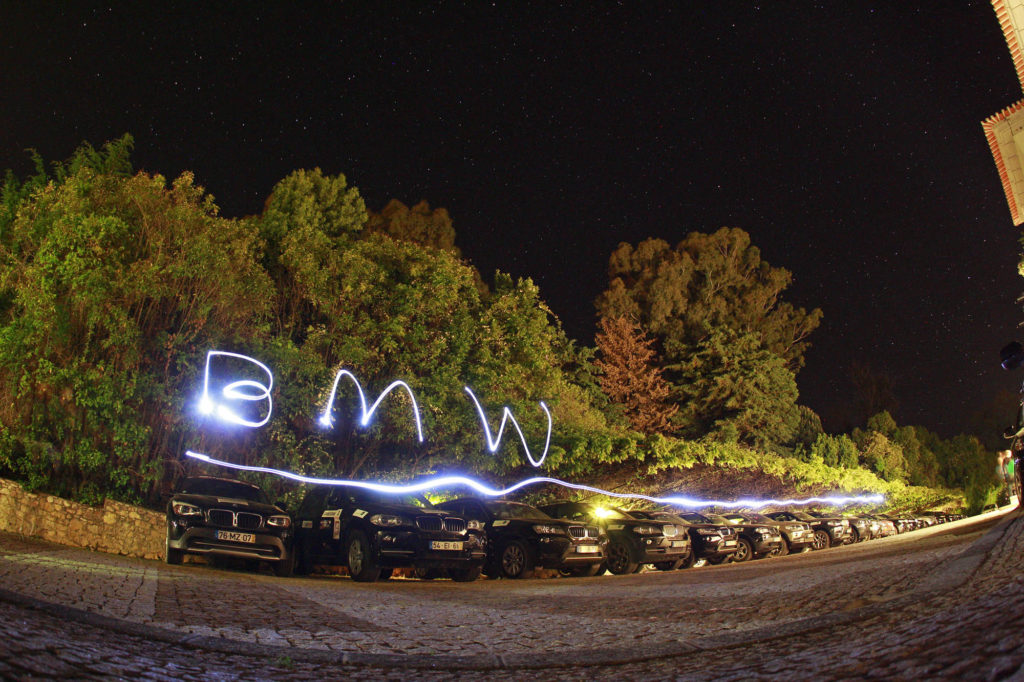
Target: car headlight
764, 531
473, 524
646, 530
707, 531
186, 509
542, 529
669, 531
279, 520
387, 520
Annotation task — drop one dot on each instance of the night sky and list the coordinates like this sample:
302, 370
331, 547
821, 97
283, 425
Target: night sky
844, 137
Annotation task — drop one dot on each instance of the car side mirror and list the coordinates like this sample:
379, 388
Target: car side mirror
1012, 355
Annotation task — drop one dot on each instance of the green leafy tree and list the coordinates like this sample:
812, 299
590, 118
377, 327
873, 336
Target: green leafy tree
708, 301
120, 284
736, 390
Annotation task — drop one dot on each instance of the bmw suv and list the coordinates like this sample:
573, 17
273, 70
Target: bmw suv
632, 542
373, 533
829, 531
797, 536
222, 517
521, 537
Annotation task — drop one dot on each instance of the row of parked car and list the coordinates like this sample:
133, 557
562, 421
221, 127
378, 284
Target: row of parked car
373, 534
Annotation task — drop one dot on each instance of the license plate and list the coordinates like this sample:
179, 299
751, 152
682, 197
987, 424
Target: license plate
587, 549
679, 543
729, 543
441, 544
232, 536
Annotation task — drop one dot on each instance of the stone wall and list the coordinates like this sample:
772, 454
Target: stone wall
115, 527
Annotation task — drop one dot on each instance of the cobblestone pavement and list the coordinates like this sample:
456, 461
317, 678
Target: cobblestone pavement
946, 602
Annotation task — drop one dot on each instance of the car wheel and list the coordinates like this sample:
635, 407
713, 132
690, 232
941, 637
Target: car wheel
855, 536
361, 564
744, 551
286, 567
784, 548
171, 555
465, 575
821, 540
515, 560
620, 558
669, 565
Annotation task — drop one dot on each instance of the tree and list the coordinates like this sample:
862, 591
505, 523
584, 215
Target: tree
307, 222
734, 389
419, 225
706, 302
883, 457
120, 283
707, 282
631, 378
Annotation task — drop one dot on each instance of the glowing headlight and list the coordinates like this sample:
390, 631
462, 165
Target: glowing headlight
279, 520
646, 530
185, 509
387, 520
602, 513
542, 529
669, 531
473, 524
707, 531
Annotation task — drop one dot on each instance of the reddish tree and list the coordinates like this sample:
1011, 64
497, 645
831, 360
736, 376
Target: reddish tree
631, 378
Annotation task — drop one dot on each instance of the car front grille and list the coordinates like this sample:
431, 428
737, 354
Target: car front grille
248, 521
436, 523
230, 519
580, 532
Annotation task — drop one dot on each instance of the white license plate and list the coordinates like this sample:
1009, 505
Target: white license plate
232, 536
679, 543
587, 549
729, 543
441, 544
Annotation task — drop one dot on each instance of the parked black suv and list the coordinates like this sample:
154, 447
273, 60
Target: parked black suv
372, 533
756, 540
797, 536
632, 542
828, 531
222, 517
715, 542
521, 537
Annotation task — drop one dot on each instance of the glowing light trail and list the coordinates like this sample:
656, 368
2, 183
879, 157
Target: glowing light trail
326, 420
506, 415
236, 391
443, 482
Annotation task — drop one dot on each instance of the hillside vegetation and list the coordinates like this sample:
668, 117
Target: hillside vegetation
114, 285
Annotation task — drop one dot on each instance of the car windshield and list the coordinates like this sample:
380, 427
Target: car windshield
715, 518
694, 517
515, 510
757, 518
803, 516
219, 487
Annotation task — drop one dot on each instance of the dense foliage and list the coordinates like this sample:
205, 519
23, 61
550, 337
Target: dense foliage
115, 284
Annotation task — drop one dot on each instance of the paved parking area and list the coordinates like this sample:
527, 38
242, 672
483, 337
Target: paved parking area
922, 605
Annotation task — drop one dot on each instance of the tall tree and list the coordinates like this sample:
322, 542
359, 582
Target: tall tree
631, 378
730, 345
419, 225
